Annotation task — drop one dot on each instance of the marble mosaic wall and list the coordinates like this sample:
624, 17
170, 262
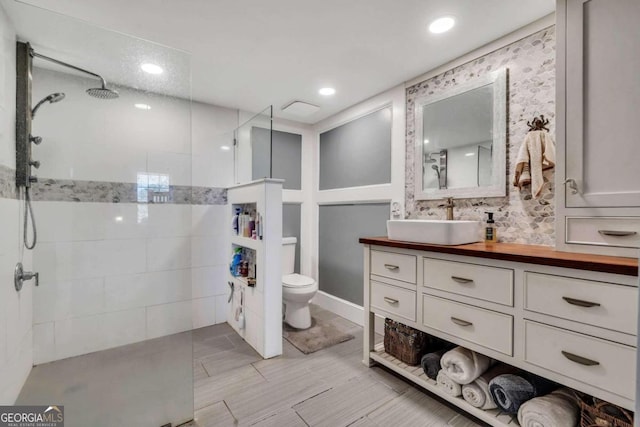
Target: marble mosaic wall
531, 92
7, 183
62, 190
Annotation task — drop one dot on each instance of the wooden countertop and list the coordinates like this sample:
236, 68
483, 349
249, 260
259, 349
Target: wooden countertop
532, 254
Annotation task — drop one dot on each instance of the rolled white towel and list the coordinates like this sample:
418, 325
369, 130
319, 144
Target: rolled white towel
477, 393
448, 385
557, 409
463, 365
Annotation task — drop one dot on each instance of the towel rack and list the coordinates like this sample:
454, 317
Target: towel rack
538, 123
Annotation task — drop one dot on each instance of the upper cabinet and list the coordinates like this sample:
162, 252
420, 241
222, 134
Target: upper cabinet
598, 107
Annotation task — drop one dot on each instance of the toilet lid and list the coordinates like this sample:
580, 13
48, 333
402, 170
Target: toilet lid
296, 280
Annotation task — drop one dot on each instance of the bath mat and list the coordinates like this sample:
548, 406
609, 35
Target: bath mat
321, 334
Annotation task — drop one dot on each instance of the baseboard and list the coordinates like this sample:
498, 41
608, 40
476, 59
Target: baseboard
343, 308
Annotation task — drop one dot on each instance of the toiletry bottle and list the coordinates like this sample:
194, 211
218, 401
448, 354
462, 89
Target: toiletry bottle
234, 267
490, 231
235, 223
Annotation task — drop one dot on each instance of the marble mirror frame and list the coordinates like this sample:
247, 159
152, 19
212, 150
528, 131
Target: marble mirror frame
498, 186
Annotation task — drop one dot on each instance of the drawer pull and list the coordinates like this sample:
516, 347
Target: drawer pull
581, 303
460, 322
579, 359
391, 267
617, 233
391, 300
461, 279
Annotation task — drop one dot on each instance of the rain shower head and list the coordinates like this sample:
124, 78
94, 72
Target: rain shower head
97, 92
103, 93
53, 98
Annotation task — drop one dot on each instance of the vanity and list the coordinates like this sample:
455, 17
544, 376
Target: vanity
565, 316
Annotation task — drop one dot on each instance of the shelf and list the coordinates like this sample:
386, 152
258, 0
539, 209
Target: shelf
246, 242
415, 374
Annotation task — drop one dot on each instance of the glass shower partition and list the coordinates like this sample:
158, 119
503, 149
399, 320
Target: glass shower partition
112, 316
253, 148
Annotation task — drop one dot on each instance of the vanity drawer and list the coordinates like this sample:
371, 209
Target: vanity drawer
394, 266
477, 281
394, 300
606, 305
598, 363
621, 232
483, 327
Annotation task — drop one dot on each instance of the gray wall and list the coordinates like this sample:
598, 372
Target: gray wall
357, 153
340, 254
291, 227
286, 159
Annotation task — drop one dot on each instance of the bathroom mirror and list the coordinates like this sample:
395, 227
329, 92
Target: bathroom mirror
460, 147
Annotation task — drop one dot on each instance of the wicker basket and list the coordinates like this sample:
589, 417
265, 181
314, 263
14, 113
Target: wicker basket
404, 343
604, 414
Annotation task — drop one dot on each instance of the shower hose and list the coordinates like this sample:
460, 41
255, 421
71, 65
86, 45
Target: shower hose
28, 212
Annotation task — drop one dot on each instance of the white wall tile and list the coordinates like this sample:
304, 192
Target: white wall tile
83, 335
169, 253
168, 220
15, 372
209, 281
147, 289
222, 308
43, 343
209, 251
176, 165
208, 221
73, 298
204, 312
168, 319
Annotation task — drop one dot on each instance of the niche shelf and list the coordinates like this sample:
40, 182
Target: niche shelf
261, 304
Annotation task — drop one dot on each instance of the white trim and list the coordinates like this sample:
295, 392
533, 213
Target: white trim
508, 39
343, 308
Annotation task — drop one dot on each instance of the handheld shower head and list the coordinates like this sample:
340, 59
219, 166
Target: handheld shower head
53, 98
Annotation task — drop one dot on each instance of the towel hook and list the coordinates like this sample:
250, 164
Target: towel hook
538, 123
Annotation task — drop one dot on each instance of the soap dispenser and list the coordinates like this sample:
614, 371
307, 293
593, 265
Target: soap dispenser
490, 232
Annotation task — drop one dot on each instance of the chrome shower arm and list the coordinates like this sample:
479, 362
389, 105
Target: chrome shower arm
35, 54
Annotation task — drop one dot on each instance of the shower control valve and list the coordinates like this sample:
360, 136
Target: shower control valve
35, 163
35, 139
19, 276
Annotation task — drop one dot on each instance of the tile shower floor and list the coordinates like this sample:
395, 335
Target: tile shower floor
234, 386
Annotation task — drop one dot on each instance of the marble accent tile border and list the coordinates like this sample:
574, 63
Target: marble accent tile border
8, 183
62, 190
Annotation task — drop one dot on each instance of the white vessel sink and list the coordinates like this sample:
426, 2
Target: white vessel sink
437, 232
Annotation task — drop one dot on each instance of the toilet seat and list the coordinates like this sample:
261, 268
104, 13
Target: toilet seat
297, 281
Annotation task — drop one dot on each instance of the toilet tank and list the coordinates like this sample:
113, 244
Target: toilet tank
288, 255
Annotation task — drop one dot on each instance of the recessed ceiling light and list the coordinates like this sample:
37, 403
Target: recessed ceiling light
225, 148
442, 25
426, 141
151, 68
119, 219
327, 91
470, 154
143, 106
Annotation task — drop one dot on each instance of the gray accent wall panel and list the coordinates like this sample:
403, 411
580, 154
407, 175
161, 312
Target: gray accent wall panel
357, 153
340, 254
286, 159
291, 227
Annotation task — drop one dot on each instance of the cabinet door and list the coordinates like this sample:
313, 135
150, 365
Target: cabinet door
603, 102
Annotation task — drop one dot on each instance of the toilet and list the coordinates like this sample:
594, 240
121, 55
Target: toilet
297, 290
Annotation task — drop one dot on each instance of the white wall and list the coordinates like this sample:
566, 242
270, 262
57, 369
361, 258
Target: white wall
15, 308
118, 273
389, 193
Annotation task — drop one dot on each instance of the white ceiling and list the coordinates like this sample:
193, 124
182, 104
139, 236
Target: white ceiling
248, 54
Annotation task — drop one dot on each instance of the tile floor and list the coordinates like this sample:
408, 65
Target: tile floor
235, 387
149, 382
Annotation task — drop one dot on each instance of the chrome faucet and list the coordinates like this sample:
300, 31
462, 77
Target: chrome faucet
449, 206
